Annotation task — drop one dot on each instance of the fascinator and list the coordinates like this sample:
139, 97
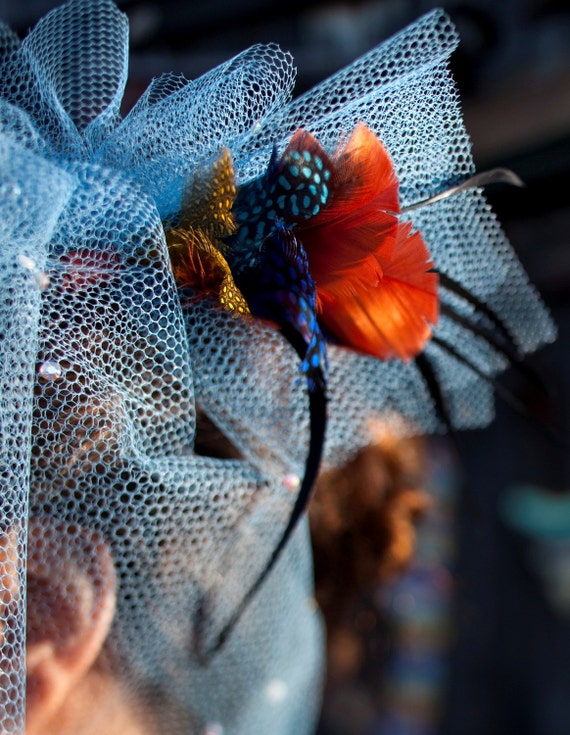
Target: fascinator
225, 261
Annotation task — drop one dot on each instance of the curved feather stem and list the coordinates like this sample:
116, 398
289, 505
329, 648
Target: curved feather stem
318, 420
484, 178
456, 288
443, 412
506, 395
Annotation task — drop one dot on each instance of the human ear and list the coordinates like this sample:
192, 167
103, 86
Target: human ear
71, 587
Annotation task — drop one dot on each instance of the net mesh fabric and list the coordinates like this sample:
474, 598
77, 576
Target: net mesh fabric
105, 364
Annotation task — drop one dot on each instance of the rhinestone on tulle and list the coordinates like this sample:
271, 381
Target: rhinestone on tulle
276, 690
213, 728
50, 370
41, 278
291, 481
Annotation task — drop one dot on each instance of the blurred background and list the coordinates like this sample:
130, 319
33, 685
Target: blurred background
474, 636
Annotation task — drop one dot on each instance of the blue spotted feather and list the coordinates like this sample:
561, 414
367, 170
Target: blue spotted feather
271, 270
278, 287
295, 187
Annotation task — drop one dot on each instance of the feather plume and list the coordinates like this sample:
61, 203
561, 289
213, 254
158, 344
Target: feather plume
195, 245
375, 291
390, 319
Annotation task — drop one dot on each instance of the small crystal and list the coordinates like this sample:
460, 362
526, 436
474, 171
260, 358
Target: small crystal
214, 728
26, 262
312, 603
291, 481
50, 370
10, 190
276, 690
42, 279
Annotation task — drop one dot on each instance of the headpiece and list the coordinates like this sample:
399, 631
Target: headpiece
146, 262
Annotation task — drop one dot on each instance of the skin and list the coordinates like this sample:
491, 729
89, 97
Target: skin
71, 604
95, 703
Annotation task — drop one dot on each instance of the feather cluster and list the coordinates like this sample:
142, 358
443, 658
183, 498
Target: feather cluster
376, 292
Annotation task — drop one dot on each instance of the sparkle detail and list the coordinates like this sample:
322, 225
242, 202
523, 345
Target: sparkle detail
50, 370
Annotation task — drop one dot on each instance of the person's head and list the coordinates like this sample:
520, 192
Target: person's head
141, 545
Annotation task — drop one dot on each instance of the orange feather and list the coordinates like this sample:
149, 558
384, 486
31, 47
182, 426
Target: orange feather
391, 319
359, 215
374, 289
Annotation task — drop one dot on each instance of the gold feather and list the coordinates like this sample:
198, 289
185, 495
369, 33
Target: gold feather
196, 245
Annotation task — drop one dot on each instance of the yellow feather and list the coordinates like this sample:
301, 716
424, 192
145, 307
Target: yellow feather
196, 245
208, 201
